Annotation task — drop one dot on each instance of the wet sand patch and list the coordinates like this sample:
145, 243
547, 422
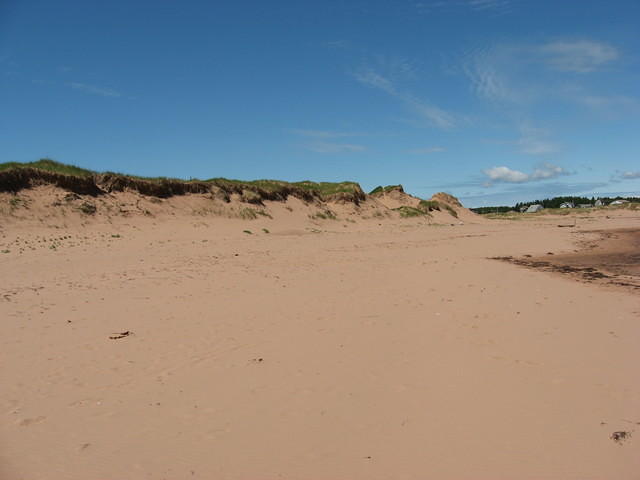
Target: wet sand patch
612, 258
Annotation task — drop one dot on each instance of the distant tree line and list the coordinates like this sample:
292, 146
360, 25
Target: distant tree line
500, 209
554, 202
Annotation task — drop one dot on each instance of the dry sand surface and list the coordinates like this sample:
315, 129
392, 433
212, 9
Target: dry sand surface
181, 347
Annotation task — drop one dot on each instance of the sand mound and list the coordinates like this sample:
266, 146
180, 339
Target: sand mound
47, 191
394, 196
454, 207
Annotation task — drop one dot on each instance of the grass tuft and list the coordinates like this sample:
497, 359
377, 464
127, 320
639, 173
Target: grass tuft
407, 212
324, 215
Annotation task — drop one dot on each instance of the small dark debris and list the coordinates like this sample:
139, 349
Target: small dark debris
528, 256
69, 197
549, 253
88, 208
620, 437
119, 335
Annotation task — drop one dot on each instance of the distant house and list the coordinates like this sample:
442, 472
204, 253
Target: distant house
619, 202
567, 205
523, 209
599, 203
585, 205
534, 208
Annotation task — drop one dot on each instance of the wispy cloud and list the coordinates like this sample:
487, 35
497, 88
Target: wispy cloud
336, 44
615, 101
580, 56
488, 4
627, 175
503, 73
488, 71
94, 90
504, 174
329, 147
323, 133
610, 105
533, 141
373, 79
426, 151
436, 116
320, 141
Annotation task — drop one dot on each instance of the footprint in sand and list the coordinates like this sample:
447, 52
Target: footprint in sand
31, 421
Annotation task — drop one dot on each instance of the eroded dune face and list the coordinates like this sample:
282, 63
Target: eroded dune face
189, 337
32, 196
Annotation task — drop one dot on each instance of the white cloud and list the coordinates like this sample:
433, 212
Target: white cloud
427, 150
630, 175
506, 175
105, 92
548, 170
578, 56
328, 147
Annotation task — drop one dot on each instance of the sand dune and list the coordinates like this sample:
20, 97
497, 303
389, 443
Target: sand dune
157, 338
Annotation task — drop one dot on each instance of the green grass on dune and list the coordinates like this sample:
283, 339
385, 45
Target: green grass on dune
323, 188
407, 212
381, 189
329, 188
49, 166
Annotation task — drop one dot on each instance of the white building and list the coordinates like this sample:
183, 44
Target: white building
534, 208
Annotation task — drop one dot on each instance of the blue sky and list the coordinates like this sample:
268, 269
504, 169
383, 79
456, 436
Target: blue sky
495, 101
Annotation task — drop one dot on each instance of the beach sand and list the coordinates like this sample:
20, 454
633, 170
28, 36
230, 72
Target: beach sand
183, 347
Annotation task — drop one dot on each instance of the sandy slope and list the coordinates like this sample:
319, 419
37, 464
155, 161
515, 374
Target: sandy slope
380, 349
